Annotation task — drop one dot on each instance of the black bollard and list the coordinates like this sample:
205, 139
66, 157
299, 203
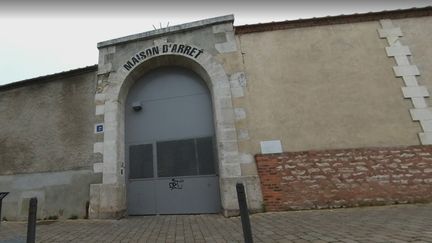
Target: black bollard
87, 210
31, 225
244, 213
2, 195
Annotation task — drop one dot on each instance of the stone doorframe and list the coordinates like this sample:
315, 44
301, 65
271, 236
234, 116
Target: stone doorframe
108, 200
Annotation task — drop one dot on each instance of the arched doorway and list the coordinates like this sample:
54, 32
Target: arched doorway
171, 164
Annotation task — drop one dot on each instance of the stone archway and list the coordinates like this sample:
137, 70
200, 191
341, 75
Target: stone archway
108, 199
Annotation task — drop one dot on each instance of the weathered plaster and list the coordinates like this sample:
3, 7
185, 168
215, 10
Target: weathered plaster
323, 87
48, 126
61, 194
408, 72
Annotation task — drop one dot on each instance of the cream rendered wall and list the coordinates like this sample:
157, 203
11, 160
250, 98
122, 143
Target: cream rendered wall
417, 36
328, 87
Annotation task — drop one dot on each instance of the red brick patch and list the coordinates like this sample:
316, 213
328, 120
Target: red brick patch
345, 177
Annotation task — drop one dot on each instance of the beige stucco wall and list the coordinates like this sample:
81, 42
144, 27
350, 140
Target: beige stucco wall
329, 87
417, 36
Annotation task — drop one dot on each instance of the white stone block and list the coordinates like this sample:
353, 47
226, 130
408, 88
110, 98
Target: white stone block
219, 78
100, 109
110, 135
426, 125
107, 168
109, 178
122, 73
237, 92
393, 41
246, 158
100, 97
205, 59
402, 60
106, 68
421, 114
98, 147
111, 49
224, 102
226, 47
409, 70
419, 102
410, 80
390, 32
229, 146
243, 134
111, 127
386, 23
425, 138
110, 117
227, 127
398, 51
240, 113
231, 170
160, 41
221, 91
271, 147
227, 134
222, 28
229, 46
238, 79
110, 153
230, 36
415, 91
229, 158
98, 167
216, 84
226, 116
234, 83
111, 105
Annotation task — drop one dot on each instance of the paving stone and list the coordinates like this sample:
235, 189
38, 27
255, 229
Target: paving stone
401, 223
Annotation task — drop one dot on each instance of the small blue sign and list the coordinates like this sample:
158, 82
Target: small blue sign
99, 128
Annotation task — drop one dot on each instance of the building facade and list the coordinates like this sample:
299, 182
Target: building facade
318, 113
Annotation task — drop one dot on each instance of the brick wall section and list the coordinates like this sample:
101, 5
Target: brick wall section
346, 177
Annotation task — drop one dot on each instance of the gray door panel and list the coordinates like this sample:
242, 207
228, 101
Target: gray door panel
193, 195
141, 197
172, 119
183, 110
176, 125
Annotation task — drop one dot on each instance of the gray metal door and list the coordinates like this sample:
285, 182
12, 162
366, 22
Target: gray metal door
170, 145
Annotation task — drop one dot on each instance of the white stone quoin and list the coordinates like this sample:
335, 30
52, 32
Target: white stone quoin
408, 73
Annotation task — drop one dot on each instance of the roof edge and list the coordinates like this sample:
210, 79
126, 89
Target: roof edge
50, 77
331, 20
167, 30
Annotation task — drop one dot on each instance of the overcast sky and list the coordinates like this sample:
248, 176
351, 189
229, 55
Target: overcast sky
49, 36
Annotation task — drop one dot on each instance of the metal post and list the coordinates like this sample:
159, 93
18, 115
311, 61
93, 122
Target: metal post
2, 195
244, 213
87, 210
1, 202
31, 226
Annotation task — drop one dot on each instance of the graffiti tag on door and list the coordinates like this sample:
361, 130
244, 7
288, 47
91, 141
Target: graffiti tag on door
175, 184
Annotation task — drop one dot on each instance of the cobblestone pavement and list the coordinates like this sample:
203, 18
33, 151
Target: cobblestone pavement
401, 223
